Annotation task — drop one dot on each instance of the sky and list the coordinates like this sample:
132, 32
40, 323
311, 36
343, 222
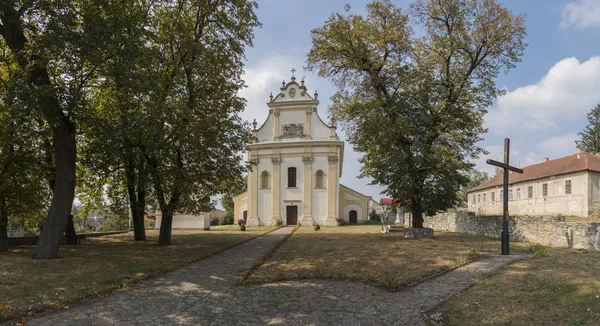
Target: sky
549, 93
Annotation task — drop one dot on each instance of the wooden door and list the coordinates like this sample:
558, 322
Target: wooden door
291, 215
245, 217
353, 217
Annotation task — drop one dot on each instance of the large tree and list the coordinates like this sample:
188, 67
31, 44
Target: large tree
589, 140
414, 104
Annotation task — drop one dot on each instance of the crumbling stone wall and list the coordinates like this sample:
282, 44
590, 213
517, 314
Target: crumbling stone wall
547, 230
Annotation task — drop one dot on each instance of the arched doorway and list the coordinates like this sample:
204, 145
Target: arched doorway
245, 217
353, 217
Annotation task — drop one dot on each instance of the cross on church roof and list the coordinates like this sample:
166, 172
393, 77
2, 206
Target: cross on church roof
293, 71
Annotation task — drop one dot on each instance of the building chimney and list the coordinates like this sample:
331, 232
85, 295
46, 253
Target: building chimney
578, 154
545, 159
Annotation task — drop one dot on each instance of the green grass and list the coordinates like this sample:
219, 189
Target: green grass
101, 265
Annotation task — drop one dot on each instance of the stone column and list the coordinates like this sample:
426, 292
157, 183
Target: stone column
307, 219
276, 190
309, 112
276, 125
253, 191
331, 190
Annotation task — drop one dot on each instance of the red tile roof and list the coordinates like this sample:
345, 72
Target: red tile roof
567, 164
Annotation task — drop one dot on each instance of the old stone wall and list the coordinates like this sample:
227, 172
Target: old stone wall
547, 230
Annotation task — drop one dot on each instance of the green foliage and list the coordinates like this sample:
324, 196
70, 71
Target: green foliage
115, 223
228, 218
317, 227
414, 104
475, 178
374, 216
538, 250
279, 222
589, 141
243, 227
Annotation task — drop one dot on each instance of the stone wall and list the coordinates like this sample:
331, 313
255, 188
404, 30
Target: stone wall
547, 230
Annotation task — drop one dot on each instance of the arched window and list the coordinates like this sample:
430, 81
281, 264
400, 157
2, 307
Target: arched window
291, 177
264, 179
320, 179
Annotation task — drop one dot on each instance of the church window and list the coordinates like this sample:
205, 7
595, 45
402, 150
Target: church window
568, 187
264, 180
493, 196
320, 179
545, 189
291, 177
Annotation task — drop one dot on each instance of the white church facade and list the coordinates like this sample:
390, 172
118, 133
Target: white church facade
296, 163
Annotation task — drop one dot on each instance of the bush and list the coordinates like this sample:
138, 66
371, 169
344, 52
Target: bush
340, 221
242, 227
115, 224
227, 219
279, 222
317, 227
538, 250
214, 221
373, 216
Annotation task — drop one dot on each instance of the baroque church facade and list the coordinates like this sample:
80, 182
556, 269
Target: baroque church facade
296, 163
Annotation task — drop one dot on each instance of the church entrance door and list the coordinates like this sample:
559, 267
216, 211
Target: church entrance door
353, 217
291, 215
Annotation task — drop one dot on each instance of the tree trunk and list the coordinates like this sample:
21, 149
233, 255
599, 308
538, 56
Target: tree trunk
165, 227
3, 228
65, 152
137, 199
70, 234
417, 215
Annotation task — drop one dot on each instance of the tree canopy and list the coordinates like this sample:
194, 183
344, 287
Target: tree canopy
413, 104
589, 138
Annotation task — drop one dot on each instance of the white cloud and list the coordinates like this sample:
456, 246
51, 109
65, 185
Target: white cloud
581, 14
567, 92
559, 146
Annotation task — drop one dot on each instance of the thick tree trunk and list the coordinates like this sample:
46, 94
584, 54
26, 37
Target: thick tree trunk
65, 152
3, 230
70, 234
165, 227
417, 216
137, 199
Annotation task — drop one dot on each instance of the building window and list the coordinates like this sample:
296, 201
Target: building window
510, 197
530, 192
501, 195
473, 201
264, 180
568, 187
518, 193
291, 177
493, 196
478, 198
484, 195
545, 189
320, 179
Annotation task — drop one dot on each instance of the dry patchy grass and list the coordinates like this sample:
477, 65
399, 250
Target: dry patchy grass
561, 289
101, 265
362, 253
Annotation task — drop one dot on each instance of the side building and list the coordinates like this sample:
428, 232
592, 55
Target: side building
568, 185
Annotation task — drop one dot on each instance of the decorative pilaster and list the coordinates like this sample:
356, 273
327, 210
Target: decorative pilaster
307, 219
253, 191
276, 190
331, 190
276, 125
309, 112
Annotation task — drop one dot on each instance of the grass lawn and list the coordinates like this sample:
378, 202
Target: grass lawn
362, 253
101, 265
562, 289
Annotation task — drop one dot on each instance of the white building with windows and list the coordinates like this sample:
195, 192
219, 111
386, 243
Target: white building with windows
568, 185
296, 164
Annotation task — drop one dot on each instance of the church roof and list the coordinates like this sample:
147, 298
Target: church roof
563, 165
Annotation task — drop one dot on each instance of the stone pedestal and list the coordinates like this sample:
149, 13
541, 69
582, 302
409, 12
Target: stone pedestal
307, 221
417, 233
252, 221
330, 221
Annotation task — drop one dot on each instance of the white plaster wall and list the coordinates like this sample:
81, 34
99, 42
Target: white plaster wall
318, 129
319, 196
265, 151
297, 97
187, 221
337, 181
290, 150
292, 116
357, 208
320, 149
266, 132
557, 202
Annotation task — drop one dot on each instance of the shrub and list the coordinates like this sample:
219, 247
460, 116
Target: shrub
317, 227
214, 220
243, 227
279, 222
241, 222
227, 219
538, 250
374, 216
340, 221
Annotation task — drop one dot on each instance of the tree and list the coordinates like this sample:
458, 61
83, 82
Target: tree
476, 178
414, 105
197, 137
227, 200
589, 141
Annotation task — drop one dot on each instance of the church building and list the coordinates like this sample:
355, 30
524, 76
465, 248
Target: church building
296, 163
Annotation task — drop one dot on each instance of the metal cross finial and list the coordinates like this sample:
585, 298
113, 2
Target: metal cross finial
293, 71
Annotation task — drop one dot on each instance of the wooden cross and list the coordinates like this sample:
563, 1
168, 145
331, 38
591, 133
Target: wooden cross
506, 167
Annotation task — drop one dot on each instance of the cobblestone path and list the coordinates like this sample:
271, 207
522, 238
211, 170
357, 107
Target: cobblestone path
206, 293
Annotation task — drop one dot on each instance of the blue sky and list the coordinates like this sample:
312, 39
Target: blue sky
549, 92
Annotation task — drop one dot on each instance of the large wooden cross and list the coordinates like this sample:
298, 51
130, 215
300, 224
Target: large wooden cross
506, 167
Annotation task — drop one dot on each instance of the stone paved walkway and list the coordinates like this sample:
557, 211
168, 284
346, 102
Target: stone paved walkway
206, 293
